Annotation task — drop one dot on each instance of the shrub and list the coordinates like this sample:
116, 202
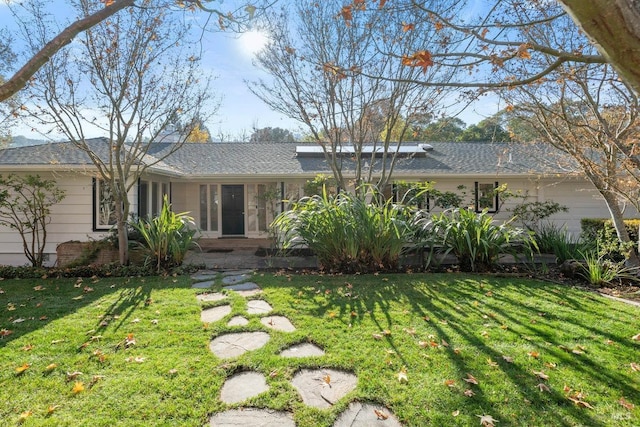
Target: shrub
600, 271
473, 238
557, 240
167, 237
530, 214
345, 232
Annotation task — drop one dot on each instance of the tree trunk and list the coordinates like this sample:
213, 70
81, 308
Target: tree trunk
621, 231
614, 25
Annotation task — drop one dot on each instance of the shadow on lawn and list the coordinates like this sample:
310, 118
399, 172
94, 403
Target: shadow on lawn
452, 308
28, 305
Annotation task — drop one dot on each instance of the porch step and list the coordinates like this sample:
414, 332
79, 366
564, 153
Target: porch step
231, 244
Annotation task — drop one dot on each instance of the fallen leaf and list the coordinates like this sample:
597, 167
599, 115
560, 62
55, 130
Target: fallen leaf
543, 387
534, 354
5, 333
39, 288
402, 375
450, 383
327, 379
635, 367
28, 347
154, 321
507, 359
580, 402
173, 372
18, 320
73, 375
550, 365
377, 336
380, 415
95, 379
541, 375
77, 387
51, 409
129, 340
78, 298
471, 379
386, 332
410, 331
23, 416
626, 404
487, 420
50, 367
21, 369
636, 337
455, 413
492, 363
469, 393
136, 320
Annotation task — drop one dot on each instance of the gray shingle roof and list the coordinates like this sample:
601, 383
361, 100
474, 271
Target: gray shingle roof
279, 159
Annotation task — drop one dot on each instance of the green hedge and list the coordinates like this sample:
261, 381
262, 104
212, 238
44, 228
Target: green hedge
591, 226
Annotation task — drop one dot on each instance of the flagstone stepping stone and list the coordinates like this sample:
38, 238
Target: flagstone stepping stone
204, 275
245, 289
203, 285
321, 388
233, 345
302, 350
238, 278
243, 386
258, 306
238, 321
279, 323
365, 415
236, 272
252, 417
211, 297
214, 314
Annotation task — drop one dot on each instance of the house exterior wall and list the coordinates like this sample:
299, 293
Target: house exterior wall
71, 219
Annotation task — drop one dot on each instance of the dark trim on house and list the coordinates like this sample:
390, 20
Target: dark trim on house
496, 201
94, 217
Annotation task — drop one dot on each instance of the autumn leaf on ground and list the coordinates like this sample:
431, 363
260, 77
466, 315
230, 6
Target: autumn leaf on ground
410, 331
73, 375
534, 354
487, 420
635, 367
543, 387
580, 402
455, 413
636, 337
469, 393
39, 288
174, 372
5, 333
129, 340
541, 375
402, 375
21, 369
626, 404
50, 367
450, 383
377, 336
51, 409
95, 379
380, 415
507, 359
471, 379
23, 416
78, 387
492, 363
327, 379
551, 365
28, 347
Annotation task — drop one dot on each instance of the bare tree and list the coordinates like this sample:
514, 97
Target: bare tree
130, 76
319, 70
588, 113
235, 18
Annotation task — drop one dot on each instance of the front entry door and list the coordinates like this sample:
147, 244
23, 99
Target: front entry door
233, 210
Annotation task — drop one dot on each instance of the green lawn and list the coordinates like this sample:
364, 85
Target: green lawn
541, 354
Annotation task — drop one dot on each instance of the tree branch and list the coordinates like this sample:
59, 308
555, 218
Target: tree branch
22, 76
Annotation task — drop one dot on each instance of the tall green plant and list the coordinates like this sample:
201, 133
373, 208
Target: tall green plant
167, 237
347, 233
474, 238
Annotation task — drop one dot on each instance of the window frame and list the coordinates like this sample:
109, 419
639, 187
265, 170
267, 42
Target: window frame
495, 199
97, 193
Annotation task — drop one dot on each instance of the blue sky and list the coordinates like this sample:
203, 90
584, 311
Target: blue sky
228, 56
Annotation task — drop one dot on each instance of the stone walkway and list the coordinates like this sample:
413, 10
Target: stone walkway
318, 388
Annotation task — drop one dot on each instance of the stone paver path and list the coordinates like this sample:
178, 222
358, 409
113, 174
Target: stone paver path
319, 388
211, 297
245, 289
243, 386
228, 346
214, 314
252, 417
204, 275
203, 285
236, 278
365, 415
258, 306
238, 321
279, 323
322, 388
302, 350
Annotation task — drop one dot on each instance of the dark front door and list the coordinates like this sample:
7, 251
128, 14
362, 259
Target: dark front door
233, 210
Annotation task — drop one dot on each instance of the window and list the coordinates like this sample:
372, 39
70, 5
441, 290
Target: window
486, 196
209, 207
104, 205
